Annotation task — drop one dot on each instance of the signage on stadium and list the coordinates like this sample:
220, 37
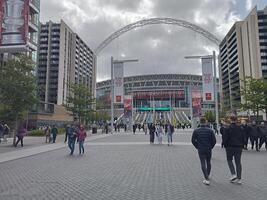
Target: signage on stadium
177, 94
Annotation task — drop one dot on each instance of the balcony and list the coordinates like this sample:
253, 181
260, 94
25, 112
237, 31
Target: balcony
33, 27
34, 6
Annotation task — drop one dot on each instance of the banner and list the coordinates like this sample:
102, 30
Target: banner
207, 79
14, 26
128, 106
118, 82
177, 94
196, 103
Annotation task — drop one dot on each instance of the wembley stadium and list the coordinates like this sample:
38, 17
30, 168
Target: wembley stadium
166, 96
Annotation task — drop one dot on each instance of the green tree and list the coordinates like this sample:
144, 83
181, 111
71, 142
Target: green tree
80, 102
253, 94
209, 116
17, 89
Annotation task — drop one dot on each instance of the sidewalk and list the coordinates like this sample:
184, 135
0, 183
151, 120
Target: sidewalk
36, 145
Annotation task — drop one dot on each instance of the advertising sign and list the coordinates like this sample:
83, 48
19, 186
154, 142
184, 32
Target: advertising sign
207, 79
118, 82
128, 106
196, 103
14, 17
177, 94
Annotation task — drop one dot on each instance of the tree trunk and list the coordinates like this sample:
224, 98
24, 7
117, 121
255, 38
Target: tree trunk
15, 130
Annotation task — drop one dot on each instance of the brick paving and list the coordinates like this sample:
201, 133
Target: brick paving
136, 171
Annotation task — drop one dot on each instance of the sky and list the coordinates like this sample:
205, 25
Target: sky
158, 48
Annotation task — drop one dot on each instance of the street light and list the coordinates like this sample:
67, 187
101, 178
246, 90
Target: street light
112, 86
214, 81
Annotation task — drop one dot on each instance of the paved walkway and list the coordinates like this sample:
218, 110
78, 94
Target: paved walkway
126, 167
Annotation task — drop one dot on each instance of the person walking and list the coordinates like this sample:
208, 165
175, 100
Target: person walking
6, 131
159, 133
152, 131
54, 133
234, 139
145, 128
245, 129
263, 139
254, 135
22, 131
47, 133
80, 139
204, 140
170, 131
70, 136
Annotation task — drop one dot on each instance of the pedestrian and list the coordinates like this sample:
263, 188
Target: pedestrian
134, 128
1, 131
80, 139
152, 130
70, 136
159, 133
145, 128
204, 140
233, 141
6, 131
222, 131
47, 133
245, 129
215, 128
170, 131
54, 133
263, 139
22, 131
254, 135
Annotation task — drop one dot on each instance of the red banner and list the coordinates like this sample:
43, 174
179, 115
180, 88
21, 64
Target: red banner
177, 94
196, 103
128, 106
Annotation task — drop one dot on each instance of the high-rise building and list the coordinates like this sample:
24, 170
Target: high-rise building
19, 26
243, 53
63, 58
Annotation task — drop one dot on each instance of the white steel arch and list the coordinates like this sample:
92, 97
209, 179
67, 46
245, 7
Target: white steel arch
152, 21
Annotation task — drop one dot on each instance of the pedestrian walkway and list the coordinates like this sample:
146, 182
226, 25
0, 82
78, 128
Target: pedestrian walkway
37, 149
126, 167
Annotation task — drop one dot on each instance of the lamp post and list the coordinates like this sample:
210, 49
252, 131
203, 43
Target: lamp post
112, 86
213, 56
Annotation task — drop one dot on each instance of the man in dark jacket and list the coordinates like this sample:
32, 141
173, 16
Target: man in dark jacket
254, 133
204, 140
233, 141
263, 139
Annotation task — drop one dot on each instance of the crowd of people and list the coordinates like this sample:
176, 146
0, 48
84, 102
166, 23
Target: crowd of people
159, 130
253, 133
235, 139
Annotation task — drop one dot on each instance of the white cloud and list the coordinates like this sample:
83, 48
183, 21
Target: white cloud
249, 4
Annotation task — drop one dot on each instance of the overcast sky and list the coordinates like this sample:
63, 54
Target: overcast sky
159, 48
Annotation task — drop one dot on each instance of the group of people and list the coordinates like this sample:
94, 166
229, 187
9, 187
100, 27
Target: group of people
4, 132
256, 134
158, 130
50, 134
234, 140
73, 134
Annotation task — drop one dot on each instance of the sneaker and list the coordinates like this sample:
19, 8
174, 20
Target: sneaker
233, 178
206, 182
238, 182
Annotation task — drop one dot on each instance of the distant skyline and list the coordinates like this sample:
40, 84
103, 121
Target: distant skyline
159, 48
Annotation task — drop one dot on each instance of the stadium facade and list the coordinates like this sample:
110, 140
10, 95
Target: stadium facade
160, 93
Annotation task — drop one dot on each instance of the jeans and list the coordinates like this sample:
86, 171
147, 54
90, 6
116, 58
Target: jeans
169, 135
21, 141
54, 138
205, 157
71, 144
234, 152
81, 146
254, 140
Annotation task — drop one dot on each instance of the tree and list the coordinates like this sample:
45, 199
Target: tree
265, 96
17, 88
253, 94
80, 102
209, 116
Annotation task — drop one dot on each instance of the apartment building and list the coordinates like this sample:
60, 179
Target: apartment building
243, 52
63, 58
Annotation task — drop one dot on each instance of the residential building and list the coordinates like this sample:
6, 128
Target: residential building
243, 53
63, 58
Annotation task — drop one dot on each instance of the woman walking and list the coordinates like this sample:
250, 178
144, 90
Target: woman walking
159, 134
81, 137
20, 135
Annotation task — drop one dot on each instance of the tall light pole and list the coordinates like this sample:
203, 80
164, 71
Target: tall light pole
213, 57
112, 86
